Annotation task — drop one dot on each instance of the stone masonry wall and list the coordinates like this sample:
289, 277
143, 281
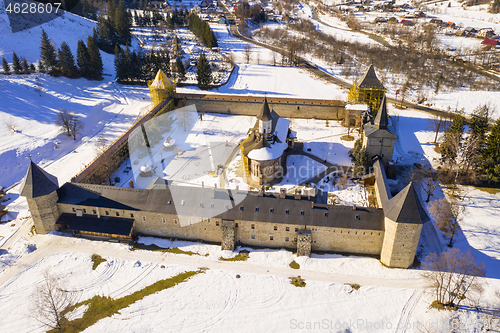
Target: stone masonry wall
44, 212
400, 243
304, 243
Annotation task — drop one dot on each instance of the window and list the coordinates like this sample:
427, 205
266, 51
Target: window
302, 212
117, 214
358, 217
217, 223
201, 204
132, 215
286, 239
211, 205
242, 208
163, 220
296, 229
287, 229
275, 227
175, 221
106, 212
271, 210
236, 225
287, 211
253, 236
326, 214
144, 218
256, 209
253, 226
295, 240
169, 202
94, 212
74, 210
271, 238
84, 211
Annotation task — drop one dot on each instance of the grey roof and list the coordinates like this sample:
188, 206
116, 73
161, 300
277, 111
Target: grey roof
224, 204
381, 119
369, 79
373, 131
381, 179
37, 182
265, 112
406, 207
91, 223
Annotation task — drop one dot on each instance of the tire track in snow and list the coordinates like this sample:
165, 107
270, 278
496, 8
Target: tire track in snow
406, 314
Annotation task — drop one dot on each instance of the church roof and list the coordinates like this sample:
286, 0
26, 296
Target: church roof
382, 120
161, 81
37, 182
406, 207
265, 113
369, 79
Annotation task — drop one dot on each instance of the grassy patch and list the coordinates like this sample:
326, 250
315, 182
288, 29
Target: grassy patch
297, 281
153, 247
242, 256
97, 260
347, 138
354, 286
441, 306
490, 190
101, 307
294, 265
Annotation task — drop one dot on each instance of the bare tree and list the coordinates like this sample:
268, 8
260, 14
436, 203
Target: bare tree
247, 52
49, 301
101, 144
437, 124
69, 122
428, 180
274, 57
452, 274
75, 126
11, 125
447, 215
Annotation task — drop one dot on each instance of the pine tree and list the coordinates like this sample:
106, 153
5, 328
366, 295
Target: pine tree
47, 52
16, 63
165, 64
25, 65
95, 58
41, 68
181, 71
67, 61
122, 23
83, 60
119, 65
479, 121
491, 153
452, 135
203, 72
32, 68
5, 65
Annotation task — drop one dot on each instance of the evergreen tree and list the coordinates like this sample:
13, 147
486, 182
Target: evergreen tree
165, 64
25, 65
47, 52
5, 65
67, 61
452, 135
479, 121
95, 59
122, 23
491, 153
16, 63
119, 65
83, 60
41, 68
203, 72
181, 71
32, 68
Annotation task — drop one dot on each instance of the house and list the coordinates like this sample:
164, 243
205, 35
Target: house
461, 33
407, 23
450, 25
437, 22
470, 31
392, 20
485, 33
489, 43
380, 20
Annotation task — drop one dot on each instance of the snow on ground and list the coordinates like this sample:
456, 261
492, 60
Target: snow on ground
343, 191
300, 169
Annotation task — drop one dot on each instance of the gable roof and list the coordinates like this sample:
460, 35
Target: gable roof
37, 182
369, 79
406, 207
382, 120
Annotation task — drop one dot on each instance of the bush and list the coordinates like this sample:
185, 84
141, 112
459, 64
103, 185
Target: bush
294, 265
97, 260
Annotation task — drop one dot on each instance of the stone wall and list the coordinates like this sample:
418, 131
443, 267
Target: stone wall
304, 240
400, 243
44, 212
251, 106
383, 147
381, 186
227, 242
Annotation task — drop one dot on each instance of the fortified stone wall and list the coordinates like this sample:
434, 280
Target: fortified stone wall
400, 243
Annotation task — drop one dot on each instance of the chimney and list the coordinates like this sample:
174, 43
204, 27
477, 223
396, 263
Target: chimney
282, 193
98, 213
353, 207
131, 184
312, 204
297, 195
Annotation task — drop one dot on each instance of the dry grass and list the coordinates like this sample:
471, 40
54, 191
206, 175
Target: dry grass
242, 256
97, 260
297, 281
294, 265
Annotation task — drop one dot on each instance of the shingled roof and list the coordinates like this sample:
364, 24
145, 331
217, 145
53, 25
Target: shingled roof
265, 113
37, 182
406, 207
382, 120
369, 79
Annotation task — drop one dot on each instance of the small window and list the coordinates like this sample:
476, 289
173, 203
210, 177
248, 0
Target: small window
84, 211
271, 238
236, 225
286, 239
201, 204
253, 236
253, 226
271, 210
182, 202
256, 209
358, 217
275, 227
94, 211
296, 229
217, 223
212, 206
117, 214
169, 202
326, 214
287, 229
144, 218
132, 215
302, 212
163, 220
295, 240
106, 212
176, 221
242, 208
74, 210
287, 211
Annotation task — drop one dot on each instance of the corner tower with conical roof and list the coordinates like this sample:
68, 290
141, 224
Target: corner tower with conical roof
40, 190
367, 90
161, 88
378, 140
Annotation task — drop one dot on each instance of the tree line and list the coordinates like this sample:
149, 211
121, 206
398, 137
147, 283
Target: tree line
113, 28
201, 29
140, 67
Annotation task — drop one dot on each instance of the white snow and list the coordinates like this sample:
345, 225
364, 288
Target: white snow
277, 148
